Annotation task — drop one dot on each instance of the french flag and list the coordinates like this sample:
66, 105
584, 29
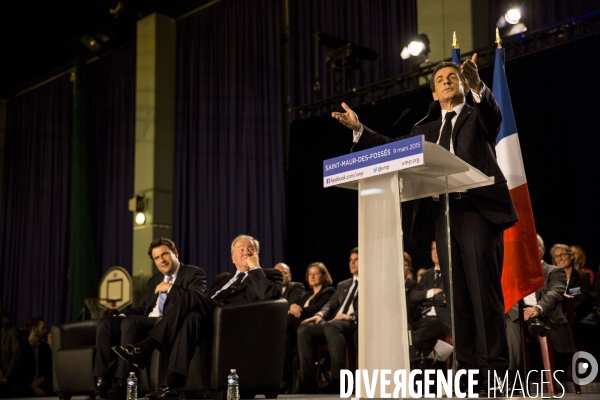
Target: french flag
522, 270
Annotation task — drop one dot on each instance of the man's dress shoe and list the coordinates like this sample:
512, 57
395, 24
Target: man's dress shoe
132, 354
99, 394
163, 393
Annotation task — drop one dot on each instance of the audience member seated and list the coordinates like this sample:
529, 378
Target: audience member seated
178, 332
589, 327
435, 322
335, 323
11, 356
291, 290
408, 272
580, 261
542, 315
321, 289
412, 312
578, 283
162, 293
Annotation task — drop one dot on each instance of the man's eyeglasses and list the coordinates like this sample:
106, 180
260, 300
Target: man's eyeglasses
561, 255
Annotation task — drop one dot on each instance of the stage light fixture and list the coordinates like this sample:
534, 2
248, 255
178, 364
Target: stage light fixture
137, 205
513, 16
418, 47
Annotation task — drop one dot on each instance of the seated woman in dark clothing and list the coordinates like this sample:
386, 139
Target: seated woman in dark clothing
311, 301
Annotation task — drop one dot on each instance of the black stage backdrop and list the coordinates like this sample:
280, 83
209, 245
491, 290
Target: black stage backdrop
553, 96
34, 226
112, 130
229, 133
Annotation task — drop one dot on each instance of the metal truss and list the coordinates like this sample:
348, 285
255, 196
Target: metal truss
516, 46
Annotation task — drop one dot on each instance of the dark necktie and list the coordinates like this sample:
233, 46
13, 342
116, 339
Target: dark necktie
226, 292
350, 297
447, 130
162, 297
438, 275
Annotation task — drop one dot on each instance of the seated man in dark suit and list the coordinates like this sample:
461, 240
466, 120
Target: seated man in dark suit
179, 331
409, 286
292, 291
542, 314
162, 292
332, 325
430, 296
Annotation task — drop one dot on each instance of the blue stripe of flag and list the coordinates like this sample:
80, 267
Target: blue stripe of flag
456, 55
500, 90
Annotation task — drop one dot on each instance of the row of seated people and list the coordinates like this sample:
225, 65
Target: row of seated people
178, 294
544, 310
321, 315
26, 363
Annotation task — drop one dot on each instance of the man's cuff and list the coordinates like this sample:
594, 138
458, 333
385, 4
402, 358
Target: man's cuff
319, 314
476, 95
429, 294
253, 268
541, 310
358, 133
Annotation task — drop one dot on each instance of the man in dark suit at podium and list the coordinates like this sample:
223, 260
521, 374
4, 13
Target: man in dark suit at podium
162, 291
180, 330
477, 217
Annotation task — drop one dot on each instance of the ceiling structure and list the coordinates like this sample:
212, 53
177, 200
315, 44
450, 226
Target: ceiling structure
39, 39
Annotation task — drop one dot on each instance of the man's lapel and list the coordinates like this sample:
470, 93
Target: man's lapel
462, 117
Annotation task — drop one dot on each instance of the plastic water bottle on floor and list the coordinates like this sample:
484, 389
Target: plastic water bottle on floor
132, 386
233, 386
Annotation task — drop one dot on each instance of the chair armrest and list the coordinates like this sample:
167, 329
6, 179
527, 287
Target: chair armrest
74, 334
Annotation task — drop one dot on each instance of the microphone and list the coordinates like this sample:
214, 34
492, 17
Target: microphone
433, 105
406, 113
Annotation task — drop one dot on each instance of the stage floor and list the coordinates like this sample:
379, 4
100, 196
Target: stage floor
591, 391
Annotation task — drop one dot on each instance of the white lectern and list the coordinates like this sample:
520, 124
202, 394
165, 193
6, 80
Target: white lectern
385, 176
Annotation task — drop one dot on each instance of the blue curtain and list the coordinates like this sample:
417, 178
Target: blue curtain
111, 94
229, 175
381, 25
34, 215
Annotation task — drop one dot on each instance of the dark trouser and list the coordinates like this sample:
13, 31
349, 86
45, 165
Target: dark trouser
291, 340
181, 329
332, 333
118, 330
477, 254
427, 331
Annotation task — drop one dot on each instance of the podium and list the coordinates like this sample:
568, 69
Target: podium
385, 176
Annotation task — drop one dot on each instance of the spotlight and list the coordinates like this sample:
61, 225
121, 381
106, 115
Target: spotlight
513, 16
418, 47
137, 205
140, 218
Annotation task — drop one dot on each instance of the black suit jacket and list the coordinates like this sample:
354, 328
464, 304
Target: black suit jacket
474, 140
293, 292
189, 277
583, 302
418, 297
549, 298
316, 303
261, 284
27, 366
336, 301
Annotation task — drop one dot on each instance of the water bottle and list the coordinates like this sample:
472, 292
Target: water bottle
233, 386
132, 386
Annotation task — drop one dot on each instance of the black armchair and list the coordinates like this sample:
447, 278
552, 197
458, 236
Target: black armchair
248, 337
73, 346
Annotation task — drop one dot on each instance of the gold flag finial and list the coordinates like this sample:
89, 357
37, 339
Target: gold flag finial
454, 42
498, 40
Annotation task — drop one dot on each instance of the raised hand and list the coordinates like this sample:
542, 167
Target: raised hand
348, 119
471, 74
